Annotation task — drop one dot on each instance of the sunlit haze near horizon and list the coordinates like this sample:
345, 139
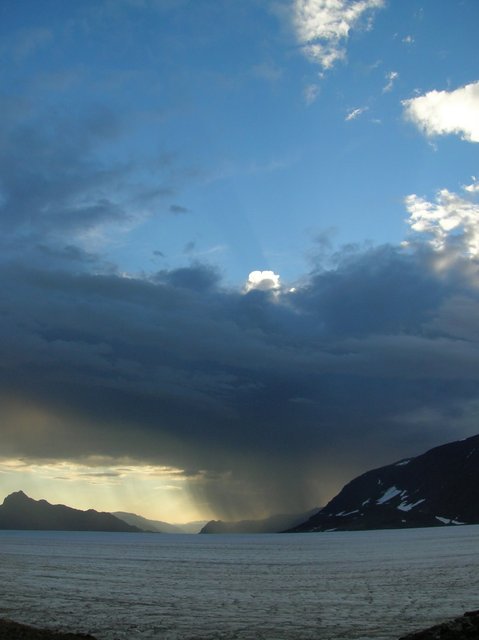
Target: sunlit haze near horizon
239, 248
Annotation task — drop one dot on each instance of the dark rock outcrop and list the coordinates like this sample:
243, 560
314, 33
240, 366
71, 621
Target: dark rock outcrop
18, 511
464, 628
437, 488
10, 630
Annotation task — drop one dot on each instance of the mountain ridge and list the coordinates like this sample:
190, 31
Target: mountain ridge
436, 488
19, 511
273, 524
159, 526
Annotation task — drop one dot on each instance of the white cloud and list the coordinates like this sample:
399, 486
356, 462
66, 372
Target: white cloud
322, 26
443, 112
355, 113
263, 281
451, 221
473, 187
391, 78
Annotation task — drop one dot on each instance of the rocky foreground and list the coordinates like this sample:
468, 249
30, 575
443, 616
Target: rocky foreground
464, 628
10, 630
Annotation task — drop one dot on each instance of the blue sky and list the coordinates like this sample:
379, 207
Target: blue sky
172, 145
245, 138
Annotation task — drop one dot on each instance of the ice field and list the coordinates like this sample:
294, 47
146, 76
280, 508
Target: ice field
354, 585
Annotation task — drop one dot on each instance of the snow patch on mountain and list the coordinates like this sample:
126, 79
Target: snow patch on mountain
389, 494
448, 520
405, 506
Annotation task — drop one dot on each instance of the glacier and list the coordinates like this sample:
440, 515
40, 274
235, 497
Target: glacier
340, 585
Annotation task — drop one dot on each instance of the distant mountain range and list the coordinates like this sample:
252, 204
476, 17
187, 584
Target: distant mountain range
18, 511
158, 526
273, 524
439, 487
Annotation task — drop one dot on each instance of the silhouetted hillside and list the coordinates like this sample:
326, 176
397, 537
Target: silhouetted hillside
439, 487
154, 526
464, 628
18, 511
158, 526
274, 524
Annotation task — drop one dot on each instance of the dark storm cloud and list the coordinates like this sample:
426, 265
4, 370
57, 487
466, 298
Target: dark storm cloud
357, 299
281, 397
268, 399
67, 253
59, 177
198, 278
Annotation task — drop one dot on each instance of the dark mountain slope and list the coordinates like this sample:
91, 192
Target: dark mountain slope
18, 511
438, 487
464, 628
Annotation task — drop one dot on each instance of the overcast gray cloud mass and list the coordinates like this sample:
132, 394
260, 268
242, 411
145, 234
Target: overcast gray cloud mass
252, 392
268, 396
369, 361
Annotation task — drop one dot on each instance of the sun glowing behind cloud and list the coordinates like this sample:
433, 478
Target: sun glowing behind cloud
263, 281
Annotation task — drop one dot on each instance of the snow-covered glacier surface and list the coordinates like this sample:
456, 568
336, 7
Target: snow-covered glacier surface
354, 585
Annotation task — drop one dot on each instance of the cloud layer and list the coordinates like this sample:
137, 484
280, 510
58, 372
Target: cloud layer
265, 399
263, 395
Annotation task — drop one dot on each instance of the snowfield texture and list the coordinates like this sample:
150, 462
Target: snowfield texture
341, 585
391, 493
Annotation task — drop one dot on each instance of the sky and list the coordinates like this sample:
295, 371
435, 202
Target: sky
239, 248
